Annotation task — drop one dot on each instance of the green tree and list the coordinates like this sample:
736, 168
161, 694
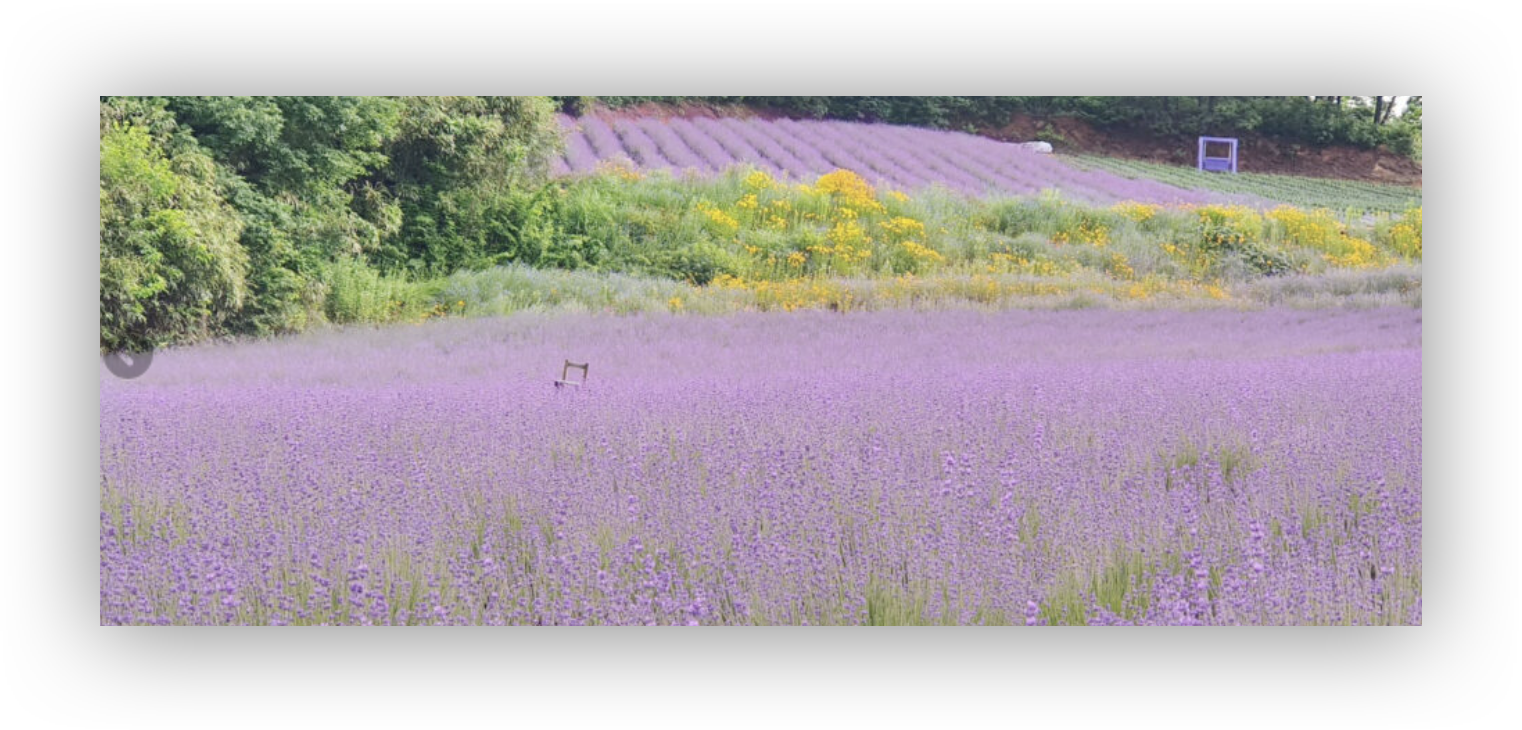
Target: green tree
297, 170
466, 172
171, 269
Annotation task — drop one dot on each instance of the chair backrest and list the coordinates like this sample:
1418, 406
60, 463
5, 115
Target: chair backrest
565, 374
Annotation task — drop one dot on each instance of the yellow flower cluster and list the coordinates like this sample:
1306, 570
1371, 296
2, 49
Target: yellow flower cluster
922, 253
758, 181
792, 294
620, 168
1406, 235
1320, 231
1355, 254
777, 214
723, 223
1152, 286
1089, 232
1117, 266
1317, 229
834, 227
726, 281
849, 242
901, 228
724, 220
1011, 264
849, 190
1228, 225
847, 233
1137, 212
1197, 262
907, 289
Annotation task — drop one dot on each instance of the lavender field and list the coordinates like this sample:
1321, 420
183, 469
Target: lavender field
888, 156
957, 467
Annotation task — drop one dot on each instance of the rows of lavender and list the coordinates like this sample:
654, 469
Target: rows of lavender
888, 156
961, 467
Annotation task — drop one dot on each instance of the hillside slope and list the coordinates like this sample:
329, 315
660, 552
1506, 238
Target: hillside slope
902, 158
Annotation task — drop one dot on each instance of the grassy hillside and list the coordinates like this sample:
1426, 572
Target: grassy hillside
1304, 192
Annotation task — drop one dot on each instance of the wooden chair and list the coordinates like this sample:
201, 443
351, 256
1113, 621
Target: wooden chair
565, 374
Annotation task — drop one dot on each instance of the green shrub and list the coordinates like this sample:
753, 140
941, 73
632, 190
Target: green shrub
467, 172
697, 263
357, 293
576, 106
171, 269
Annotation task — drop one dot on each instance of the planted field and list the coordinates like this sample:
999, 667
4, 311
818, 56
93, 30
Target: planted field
1306, 192
910, 159
887, 467
891, 157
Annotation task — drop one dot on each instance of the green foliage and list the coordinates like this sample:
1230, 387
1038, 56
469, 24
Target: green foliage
575, 106
357, 293
1049, 135
461, 168
310, 188
1399, 285
292, 143
1047, 215
700, 231
698, 263
284, 286
1224, 234
296, 170
311, 152
504, 290
171, 269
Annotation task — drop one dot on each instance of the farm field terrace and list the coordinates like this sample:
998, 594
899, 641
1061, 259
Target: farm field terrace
1304, 192
893, 467
912, 159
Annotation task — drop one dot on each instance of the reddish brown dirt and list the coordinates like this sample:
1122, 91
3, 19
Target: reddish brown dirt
1256, 153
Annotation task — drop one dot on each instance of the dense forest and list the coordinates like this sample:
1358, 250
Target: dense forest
255, 215
235, 214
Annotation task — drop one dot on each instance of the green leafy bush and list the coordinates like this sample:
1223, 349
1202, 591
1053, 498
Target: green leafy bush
171, 269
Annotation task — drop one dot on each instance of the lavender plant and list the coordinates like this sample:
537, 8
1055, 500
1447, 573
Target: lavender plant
893, 157
951, 467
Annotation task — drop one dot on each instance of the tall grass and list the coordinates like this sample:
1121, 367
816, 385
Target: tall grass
516, 289
746, 241
357, 293
748, 225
